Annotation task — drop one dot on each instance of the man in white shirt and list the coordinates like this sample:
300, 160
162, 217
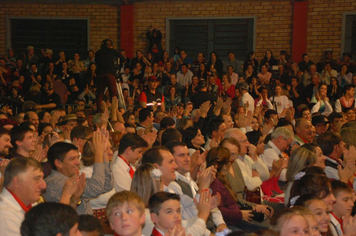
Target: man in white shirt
253, 170
281, 139
131, 149
247, 100
187, 188
164, 161
184, 76
23, 186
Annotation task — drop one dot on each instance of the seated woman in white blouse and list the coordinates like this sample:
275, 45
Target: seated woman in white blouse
280, 102
321, 101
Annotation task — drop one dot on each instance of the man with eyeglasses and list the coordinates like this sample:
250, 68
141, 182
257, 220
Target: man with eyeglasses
281, 139
187, 188
253, 170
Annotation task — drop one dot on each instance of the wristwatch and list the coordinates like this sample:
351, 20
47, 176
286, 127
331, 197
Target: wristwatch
76, 203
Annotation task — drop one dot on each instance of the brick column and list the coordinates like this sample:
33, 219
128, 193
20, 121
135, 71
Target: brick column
127, 29
300, 27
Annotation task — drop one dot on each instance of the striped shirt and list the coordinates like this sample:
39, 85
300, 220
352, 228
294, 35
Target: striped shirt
99, 183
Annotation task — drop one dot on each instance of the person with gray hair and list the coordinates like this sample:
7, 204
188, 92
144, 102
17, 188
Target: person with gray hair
281, 139
247, 160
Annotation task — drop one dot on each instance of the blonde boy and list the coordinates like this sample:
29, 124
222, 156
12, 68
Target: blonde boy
126, 213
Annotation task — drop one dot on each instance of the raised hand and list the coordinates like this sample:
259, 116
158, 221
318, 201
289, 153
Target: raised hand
218, 105
206, 177
80, 187
150, 137
214, 143
114, 103
227, 106
204, 109
177, 230
241, 119
39, 154
347, 172
350, 154
100, 141
266, 128
204, 205
69, 188
248, 118
349, 225
215, 200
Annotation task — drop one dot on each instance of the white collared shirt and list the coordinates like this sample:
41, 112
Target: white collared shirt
121, 174
11, 213
270, 155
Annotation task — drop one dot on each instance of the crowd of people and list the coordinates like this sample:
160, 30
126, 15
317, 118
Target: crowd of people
167, 145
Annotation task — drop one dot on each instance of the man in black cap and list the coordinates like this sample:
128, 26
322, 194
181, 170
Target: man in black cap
51, 100
321, 124
107, 61
151, 97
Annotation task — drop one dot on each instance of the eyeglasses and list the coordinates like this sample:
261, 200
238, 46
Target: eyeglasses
289, 143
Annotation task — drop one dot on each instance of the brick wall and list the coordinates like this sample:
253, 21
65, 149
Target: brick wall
274, 20
325, 26
103, 19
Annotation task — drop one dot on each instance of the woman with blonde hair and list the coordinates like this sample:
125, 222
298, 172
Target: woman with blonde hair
146, 182
290, 222
320, 210
305, 156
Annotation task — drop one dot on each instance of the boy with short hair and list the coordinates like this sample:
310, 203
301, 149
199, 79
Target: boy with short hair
126, 213
342, 207
90, 226
165, 212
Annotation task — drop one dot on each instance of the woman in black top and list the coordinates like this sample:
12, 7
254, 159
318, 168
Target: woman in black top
250, 60
216, 62
268, 60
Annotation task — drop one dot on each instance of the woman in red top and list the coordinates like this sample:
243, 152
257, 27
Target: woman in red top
227, 89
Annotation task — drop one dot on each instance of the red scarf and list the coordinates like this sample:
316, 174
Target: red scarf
155, 232
349, 102
339, 220
131, 171
18, 200
305, 141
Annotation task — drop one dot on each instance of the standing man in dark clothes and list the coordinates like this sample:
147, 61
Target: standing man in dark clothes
106, 60
202, 96
51, 100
